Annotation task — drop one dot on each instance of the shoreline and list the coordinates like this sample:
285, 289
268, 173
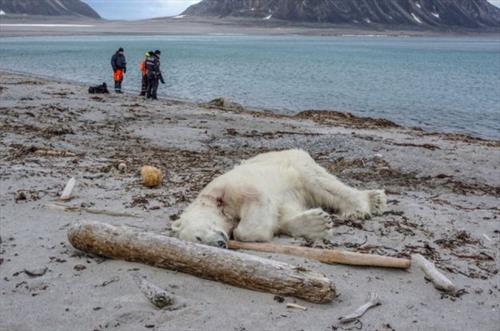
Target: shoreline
211, 26
443, 198
321, 115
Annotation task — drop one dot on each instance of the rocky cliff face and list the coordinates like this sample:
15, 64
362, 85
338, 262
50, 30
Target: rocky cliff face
48, 8
424, 13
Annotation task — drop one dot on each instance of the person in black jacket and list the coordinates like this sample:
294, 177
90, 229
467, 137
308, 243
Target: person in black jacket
154, 75
119, 64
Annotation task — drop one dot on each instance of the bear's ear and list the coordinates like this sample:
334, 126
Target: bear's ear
177, 226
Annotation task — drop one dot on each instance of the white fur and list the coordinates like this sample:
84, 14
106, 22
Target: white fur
273, 193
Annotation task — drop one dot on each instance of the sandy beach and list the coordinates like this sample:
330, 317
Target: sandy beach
443, 192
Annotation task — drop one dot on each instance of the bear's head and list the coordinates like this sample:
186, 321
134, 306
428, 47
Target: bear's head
204, 226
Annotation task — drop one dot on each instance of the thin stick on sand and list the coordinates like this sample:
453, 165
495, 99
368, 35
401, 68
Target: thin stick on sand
50, 152
329, 256
60, 206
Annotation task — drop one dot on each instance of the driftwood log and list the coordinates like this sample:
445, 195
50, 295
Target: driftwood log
329, 256
238, 269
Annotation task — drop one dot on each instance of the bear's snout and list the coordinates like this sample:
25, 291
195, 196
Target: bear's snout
222, 244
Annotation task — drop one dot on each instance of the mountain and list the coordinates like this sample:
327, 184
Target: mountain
418, 13
48, 8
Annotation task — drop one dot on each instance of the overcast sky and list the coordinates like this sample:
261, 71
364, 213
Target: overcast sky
139, 9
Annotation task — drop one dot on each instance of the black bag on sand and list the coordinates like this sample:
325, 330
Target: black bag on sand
99, 89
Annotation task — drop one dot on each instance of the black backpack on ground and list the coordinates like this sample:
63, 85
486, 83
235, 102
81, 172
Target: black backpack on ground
99, 89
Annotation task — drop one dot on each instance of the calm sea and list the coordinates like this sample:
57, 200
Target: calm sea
442, 84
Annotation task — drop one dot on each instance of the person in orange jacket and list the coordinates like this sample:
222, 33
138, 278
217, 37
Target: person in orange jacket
144, 72
119, 64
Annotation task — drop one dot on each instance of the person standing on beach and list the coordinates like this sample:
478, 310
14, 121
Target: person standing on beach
144, 72
119, 64
154, 75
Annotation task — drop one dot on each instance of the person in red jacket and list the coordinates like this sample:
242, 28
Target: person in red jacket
119, 64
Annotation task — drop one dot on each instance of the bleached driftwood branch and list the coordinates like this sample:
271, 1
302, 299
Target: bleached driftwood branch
374, 301
439, 280
68, 189
295, 306
238, 269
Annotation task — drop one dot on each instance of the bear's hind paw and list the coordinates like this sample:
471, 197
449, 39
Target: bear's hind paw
317, 224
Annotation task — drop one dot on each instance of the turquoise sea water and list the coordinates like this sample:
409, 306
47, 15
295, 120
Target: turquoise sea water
442, 84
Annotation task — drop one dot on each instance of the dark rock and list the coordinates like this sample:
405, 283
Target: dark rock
79, 267
21, 196
279, 299
231, 132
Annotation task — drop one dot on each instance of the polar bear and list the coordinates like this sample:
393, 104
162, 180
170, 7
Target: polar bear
273, 193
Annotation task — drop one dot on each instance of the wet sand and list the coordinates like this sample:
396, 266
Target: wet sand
443, 192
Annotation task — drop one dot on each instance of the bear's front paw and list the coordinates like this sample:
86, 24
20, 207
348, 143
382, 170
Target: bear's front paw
358, 208
378, 201
368, 203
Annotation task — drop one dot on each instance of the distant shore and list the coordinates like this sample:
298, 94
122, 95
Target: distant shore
60, 26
